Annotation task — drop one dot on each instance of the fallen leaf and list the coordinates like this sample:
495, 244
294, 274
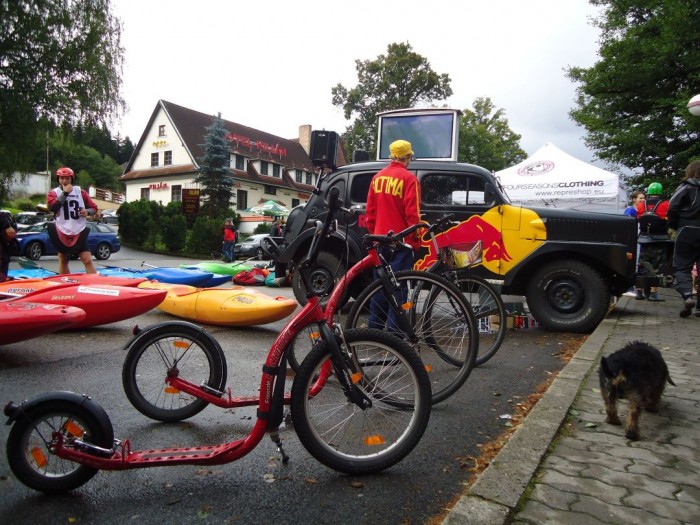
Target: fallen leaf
357, 484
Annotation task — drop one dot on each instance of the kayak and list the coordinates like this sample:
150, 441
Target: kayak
21, 320
30, 273
237, 306
73, 278
102, 303
190, 276
229, 269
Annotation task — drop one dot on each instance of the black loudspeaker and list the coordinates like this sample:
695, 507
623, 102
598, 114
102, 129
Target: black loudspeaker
360, 155
324, 148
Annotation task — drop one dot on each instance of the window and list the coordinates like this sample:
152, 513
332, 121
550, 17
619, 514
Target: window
241, 199
450, 189
298, 176
263, 167
167, 158
145, 194
240, 162
176, 193
270, 190
295, 203
308, 179
276, 170
154, 159
161, 130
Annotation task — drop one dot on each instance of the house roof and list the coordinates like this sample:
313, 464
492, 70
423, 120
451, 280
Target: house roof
190, 127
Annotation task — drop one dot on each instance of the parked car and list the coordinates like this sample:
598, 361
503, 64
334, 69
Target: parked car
25, 219
109, 216
34, 241
250, 247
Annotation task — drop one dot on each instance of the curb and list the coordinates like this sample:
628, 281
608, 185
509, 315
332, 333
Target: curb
495, 495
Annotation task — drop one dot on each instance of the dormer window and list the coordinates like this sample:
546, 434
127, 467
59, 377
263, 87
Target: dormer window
264, 167
276, 170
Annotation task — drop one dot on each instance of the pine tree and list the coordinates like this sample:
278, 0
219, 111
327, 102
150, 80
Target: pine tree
214, 173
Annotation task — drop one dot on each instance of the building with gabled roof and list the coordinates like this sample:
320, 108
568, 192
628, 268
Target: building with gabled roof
264, 166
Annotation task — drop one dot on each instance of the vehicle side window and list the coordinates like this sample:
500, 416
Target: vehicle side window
453, 189
360, 187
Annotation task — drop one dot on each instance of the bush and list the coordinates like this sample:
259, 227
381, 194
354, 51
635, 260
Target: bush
206, 237
25, 205
263, 227
174, 232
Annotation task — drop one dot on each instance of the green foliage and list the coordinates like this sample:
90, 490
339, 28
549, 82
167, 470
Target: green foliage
61, 60
486, 139
263, 227
90, 166
24, 205
136, 220
632, 102
207, 235
174, 232
399, 79
214, 174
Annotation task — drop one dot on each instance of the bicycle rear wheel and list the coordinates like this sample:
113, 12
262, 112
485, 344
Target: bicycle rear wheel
339, 433
445, 329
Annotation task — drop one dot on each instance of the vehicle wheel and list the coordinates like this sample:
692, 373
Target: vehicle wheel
347, 438
34, 251
322, 277
447, 338
260, 254
490, 313
103, 251
172, 350
29, 442
568, 296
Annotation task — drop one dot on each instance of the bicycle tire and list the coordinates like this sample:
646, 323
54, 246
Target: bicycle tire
490, 312
172, 348
444, 324
28, 445
347, 438
302, 345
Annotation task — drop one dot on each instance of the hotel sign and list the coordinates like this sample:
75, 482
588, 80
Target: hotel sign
190, 201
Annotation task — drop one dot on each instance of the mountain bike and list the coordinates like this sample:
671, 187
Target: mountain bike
360, 401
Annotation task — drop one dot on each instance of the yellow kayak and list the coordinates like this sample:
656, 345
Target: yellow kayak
237, 306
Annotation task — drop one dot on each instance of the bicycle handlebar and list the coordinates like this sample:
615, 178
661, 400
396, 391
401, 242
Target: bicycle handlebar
396, 238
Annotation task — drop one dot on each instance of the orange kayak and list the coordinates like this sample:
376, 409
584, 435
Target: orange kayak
236, 306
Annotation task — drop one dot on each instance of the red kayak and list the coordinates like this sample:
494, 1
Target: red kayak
102, 303
20, 320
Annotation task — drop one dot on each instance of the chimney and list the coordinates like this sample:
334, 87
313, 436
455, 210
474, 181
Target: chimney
305, 137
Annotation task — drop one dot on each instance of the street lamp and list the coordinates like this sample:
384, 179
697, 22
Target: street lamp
694, 106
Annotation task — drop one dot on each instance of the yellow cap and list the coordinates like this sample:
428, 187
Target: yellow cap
400, 149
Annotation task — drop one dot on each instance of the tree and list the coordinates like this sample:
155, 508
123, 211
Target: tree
632, 102
59, 60
486, 139
399, 79
214, 174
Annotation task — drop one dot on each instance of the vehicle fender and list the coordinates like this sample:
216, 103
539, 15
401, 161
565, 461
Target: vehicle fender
140, 333
299, 246
14, 411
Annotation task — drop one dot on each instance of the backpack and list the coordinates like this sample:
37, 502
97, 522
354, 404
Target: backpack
252, 277
651, 224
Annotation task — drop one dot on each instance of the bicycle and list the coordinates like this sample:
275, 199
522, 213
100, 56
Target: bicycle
359, 403
431, 314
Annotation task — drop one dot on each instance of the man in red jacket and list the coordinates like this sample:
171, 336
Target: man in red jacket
393, 204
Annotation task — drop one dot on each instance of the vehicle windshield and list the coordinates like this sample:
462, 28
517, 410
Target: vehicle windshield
35, 228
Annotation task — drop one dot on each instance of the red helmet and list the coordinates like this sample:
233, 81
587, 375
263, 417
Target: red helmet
65, 172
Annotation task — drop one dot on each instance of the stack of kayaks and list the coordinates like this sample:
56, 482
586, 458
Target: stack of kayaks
229, 269
237, 306
190, 276
22, 320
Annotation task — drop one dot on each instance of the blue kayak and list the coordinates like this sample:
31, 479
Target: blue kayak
30, 273
191, 277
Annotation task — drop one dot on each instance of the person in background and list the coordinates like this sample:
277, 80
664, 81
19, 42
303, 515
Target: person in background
8, 234
229, 240
393, 204
684, 217
654, 201
654, 204
68, 233
636, 198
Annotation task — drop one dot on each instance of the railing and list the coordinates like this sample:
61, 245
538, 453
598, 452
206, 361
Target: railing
109, 196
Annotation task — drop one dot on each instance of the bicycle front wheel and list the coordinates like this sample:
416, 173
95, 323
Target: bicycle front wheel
350, 439
445, 333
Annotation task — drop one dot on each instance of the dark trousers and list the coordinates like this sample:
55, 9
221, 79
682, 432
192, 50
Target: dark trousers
399, 259
686, 253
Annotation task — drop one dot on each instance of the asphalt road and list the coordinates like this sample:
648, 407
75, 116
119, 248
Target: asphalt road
258, 488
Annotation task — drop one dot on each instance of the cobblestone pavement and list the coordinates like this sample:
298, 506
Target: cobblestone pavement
566, 465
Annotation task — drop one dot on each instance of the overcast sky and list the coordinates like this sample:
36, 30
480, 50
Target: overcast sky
271, 65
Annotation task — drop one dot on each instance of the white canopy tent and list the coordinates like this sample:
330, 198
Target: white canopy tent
551, 177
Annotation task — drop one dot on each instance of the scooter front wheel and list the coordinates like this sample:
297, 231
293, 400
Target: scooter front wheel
29, 443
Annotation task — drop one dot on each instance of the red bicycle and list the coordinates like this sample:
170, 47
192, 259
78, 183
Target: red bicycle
360, 402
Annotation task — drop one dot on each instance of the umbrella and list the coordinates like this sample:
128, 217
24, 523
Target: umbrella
271, 208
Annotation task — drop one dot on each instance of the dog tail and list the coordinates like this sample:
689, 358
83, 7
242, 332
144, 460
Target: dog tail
668, 378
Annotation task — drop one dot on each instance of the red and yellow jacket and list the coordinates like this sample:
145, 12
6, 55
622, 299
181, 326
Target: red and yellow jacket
393, 202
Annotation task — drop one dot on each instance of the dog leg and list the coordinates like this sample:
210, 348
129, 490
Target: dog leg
632, 426
611, 410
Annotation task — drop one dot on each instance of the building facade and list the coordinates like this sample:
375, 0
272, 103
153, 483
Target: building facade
264, 167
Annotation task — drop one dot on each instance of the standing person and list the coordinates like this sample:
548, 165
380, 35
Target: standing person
652, 215
636, 199
684, 217
654, 202
68, 233
229, 240
8, 242
393, 204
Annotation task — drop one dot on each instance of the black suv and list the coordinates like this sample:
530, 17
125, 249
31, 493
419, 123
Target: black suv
566, 263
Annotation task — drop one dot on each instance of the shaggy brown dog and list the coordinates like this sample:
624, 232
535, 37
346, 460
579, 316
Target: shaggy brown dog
638, 373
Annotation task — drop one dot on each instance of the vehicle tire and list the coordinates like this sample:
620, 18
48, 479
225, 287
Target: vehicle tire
347, 438
28, 445
103, 251
322, 276
172, 349
447, 337
490, 312
568, 296
34, 251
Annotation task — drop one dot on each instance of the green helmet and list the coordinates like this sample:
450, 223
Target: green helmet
655, 188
